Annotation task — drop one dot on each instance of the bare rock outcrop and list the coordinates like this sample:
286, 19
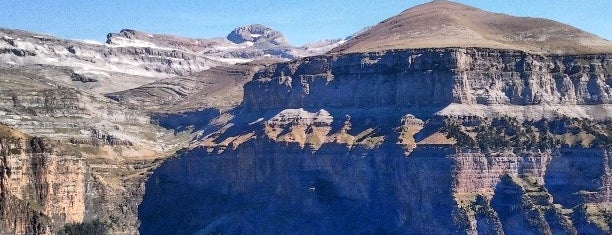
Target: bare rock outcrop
491, 132
334, 142
38, 187
256, 33
106, 66
472, 78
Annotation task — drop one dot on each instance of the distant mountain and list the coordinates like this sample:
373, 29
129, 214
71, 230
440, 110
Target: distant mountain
444, 119
243, 44
449, 24
96, 67
131, 58
257, 33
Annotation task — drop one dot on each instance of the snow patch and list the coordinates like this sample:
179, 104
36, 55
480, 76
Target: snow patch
230, 60
40, 37
124, 42
95, 72
89, 41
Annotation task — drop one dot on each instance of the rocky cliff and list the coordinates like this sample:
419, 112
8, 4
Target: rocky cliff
418, 141
73, 156
386, 134
40, 190
263, 186
481, 80
502, 135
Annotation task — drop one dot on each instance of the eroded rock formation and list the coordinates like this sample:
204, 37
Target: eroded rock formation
501, 135
334, 143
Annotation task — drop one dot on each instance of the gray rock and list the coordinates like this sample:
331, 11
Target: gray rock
257, 33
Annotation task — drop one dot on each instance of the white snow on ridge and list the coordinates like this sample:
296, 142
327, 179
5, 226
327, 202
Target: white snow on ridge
230, 46
87, 70
89, 41
230, 60
124, 42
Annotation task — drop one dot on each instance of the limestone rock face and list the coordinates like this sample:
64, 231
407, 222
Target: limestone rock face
256, 33
38, 186
434, 190
320, 193
86, 163
474, 78
428, 139
160, 134
99, 67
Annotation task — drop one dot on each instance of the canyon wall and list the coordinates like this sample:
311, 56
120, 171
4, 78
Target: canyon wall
476, 79
40, 188
405, 141
98, 157
262, 187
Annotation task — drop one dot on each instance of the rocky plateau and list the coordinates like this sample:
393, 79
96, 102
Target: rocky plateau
445, 119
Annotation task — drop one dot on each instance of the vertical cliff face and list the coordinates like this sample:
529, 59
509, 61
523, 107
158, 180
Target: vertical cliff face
46, 184
99, 154
532, 192
407, 141
430, 123
425, 77
264, 187
40, 190
260, 188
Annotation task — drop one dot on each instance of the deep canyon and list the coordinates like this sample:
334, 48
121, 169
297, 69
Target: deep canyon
430, 122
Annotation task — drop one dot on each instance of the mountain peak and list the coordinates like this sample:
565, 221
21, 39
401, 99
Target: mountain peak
441, 23
256, 33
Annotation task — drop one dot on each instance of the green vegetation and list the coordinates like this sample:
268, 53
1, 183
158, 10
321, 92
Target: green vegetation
86, 228
508, 132
456, 131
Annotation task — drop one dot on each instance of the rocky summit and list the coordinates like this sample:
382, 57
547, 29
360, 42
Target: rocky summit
445, 119
256, 33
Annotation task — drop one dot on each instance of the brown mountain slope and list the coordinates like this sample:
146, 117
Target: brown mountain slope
447, 24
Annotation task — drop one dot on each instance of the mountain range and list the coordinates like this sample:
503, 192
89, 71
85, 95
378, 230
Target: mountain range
444, 119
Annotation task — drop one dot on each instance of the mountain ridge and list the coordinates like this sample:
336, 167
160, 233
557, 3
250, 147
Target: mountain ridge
148, 135
441, 24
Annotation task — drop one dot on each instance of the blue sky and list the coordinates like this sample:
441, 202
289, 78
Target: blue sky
301, 21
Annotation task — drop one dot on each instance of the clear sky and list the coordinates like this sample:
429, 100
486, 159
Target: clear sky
301, 21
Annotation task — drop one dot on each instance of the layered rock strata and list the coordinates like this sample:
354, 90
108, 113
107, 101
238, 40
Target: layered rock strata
404, 141
472, 77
